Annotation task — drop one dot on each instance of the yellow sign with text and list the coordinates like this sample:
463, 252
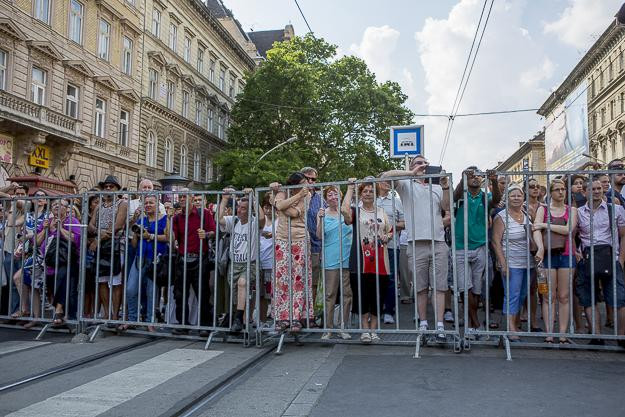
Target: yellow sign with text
40, 157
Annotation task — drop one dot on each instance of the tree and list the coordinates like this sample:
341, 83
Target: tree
336, 108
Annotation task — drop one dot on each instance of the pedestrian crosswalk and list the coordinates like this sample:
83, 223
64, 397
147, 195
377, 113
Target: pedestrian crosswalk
102, 394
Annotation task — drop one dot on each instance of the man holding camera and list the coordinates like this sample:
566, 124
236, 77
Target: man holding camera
192, 228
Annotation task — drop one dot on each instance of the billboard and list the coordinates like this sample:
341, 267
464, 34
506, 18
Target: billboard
566, 132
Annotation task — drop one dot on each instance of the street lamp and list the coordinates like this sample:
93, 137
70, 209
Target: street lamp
286, 142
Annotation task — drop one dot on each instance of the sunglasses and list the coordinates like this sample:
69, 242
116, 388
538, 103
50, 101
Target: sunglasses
313, 179
532, 187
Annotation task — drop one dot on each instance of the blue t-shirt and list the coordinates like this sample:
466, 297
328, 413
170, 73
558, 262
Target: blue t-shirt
331, 247
147, 247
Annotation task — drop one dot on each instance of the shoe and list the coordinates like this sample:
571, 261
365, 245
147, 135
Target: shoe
179, 332
365, 338
204, 333
326, 336
375, 338
237, 325
448, 317
441, 337
596, 342
423, 328
388, 319
469, 333
345, 336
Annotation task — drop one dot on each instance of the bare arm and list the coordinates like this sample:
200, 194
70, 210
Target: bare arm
120, 219
397, 173
346, 208
284, 203
498, 229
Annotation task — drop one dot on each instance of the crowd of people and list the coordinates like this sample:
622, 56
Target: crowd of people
332, 257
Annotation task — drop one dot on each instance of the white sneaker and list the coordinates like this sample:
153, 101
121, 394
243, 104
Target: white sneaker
365, 338
448, 317
388, 319
423, 328
469, 333
441, 336
375, 338
345, 336
326, 336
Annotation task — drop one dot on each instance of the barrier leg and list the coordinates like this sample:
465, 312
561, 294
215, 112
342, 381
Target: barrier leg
280, 343
506, 343
417, 347
43, 331
94, 333
209, 340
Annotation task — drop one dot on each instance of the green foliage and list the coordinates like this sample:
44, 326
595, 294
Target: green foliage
336, 108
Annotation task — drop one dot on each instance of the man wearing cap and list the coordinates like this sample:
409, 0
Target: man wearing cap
108, 224
473, 258
619, 181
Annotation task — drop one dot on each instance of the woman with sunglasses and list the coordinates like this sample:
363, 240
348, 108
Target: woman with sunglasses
558, 223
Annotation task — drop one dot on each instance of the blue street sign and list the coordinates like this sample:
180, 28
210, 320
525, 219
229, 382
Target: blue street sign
406, 140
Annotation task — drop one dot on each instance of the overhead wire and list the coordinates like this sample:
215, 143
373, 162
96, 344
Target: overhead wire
304, 17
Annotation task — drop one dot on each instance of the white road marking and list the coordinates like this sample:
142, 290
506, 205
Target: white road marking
104, 393
15, 346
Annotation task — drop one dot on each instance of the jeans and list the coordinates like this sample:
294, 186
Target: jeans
60, 289
389, 298
132, 292
15, 296
517, 291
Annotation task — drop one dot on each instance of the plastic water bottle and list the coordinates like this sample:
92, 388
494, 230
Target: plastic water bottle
542, 277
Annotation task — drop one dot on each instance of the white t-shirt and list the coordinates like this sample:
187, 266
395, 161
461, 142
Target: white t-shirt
418, 211
240, 237
266, 246
133, 205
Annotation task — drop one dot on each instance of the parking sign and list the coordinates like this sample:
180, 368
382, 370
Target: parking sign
406, 140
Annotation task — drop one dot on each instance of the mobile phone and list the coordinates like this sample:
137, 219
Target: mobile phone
434, 169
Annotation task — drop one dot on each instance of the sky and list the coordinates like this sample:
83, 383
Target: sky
528, 49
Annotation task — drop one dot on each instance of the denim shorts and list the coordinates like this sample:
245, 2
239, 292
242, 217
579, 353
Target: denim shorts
559, 261
583, 287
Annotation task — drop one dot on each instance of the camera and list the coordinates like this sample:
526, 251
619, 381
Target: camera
135, 228
176, 206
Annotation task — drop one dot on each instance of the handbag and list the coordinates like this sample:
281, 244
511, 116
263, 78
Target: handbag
58, 252
105, 267
602, 260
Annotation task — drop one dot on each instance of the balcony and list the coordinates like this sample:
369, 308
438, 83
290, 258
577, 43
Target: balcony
25, 112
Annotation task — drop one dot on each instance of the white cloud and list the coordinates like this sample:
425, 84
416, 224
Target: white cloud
377, 47
583, 21
508, 74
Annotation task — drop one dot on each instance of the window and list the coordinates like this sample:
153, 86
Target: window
171, 95
222, 80
104, 40
196, 166
622, 102
169, 156
187, 49
150, 150
612, 110
185, 104
594, 123
611, 71
75, 21
127, 56
71, 101
200, 60
100, 117
602, 117
612, 147
38, 89
42, 10
198, 112
209, 170
183, 161
600, 79
156, 22
593, 90
173, 36
620, 61
131, 2
3, 70
220, 127
211, 71
123, 127
153, 87
209, 121
231, 87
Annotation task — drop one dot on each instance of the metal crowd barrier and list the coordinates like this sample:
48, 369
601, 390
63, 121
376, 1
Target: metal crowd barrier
285, 278
543, 288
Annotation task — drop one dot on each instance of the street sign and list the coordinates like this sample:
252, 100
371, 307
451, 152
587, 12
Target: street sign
40, 157
406, 141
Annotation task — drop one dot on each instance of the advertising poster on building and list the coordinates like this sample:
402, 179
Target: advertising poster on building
566, 132
6, 149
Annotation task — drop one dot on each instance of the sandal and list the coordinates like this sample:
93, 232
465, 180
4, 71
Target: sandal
548, 339
281, 326
59, 319
296, 326
124, 327
564, 341
19, 314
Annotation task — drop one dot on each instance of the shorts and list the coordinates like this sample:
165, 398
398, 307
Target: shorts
422, 264
559, 261
477, 260
239, 270
583, 287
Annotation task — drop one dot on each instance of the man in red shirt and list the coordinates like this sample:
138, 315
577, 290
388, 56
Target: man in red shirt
192, 231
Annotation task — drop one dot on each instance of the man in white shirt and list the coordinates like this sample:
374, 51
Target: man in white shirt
424, 226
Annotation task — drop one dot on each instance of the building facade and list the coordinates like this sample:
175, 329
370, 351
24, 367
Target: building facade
134, 88
530, 156
193, 71
70, 83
